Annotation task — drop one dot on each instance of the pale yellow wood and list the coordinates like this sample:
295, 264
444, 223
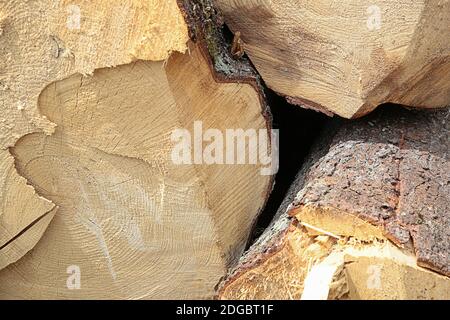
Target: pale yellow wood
137, 225
24, 241
44, 41
311, 267
377, 271
20, 206
280, 273
347, 57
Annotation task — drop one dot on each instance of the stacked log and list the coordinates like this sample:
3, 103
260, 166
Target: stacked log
88, 176
348, 58
367, 217
122, 175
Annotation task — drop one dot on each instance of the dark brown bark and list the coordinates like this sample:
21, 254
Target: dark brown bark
390, 169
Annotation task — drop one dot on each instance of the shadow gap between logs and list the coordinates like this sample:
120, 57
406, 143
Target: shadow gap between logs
298, 130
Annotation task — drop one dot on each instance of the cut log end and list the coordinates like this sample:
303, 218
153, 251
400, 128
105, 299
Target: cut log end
319, 267
132, 220
130, 137
377, 190
375, 56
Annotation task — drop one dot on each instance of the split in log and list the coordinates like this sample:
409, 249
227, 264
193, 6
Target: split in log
41, 43
368, 217
348, 58
130, 221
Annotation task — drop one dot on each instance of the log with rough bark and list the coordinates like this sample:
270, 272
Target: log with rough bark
348, 57
367, 218
90, 97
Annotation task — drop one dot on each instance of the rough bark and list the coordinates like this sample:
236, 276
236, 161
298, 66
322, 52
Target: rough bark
136, 224
369, 183
347, 58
